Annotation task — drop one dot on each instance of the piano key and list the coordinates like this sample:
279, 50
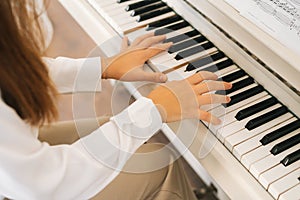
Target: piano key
244, 95
276, 173
140, 4
229, 117
191, 51
236, 126
280, 132
169, 64
186, 44
133, 26
163, 22
147, 8
284, 184
282, 146
166, 56
238, 85
291, 194
181, 72
270, 161
182, 37
153, 14
248, 142
171, 28
254, 123
233, 76
221, 110
291, 158
242, 114
205, 61
262, 151
122, 1
245, 134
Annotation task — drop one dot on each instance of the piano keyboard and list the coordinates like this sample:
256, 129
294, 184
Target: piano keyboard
261, 132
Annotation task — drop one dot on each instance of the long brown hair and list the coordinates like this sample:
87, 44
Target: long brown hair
25, 84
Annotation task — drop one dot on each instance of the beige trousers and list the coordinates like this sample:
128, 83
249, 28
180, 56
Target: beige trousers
151, 173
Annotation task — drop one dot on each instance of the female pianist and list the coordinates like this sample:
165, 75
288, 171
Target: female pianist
110, 162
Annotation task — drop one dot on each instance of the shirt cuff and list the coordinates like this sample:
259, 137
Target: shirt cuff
115, 142
75, 75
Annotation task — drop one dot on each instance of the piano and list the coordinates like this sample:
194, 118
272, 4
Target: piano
255, 153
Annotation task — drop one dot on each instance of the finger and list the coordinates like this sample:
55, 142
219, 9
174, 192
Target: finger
141, 38
211, 86
156, 77
208, 117
156, 49
124, 44
150, 41
213, 99
201, 76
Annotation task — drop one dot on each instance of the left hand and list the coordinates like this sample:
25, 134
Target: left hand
128, 64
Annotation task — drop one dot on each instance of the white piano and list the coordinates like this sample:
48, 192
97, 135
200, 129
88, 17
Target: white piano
255, 153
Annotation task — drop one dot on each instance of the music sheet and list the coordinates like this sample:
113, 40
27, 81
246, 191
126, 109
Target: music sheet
279, 18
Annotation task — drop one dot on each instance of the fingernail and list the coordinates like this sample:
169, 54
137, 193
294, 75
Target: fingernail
162, 78
228, 99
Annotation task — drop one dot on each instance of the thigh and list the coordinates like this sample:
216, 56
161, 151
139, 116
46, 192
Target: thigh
143, 175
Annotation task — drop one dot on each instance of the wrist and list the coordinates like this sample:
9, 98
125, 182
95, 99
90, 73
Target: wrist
162, 112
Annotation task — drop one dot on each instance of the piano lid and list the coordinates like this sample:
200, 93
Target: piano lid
278, 57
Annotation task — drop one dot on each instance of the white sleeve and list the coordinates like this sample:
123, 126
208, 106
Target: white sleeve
75, 75
33, 170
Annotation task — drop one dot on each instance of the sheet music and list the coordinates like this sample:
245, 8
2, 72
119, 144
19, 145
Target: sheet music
279, 18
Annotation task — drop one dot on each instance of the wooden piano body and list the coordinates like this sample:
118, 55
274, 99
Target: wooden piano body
272, 64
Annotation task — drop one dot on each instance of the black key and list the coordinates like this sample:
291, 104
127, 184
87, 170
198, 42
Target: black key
189, 52
242, 114
291, 158
163, 22
140, 4
204, 61
299, 178
233, 76
122, 1
147, 9
171, 28
186, 44
265, 118
244, 95
238, 85
274, 135
153, 14
286, 144
218, 66
183, 36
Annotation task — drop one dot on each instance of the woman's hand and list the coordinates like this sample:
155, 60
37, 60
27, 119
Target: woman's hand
177, 100
128, 64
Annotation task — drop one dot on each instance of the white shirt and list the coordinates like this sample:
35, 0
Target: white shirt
30, 169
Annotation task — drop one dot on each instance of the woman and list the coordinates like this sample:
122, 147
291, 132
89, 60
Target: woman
91, 166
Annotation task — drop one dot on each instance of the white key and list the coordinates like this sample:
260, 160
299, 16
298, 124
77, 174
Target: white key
291, 194
248, 145
123, 18
168, 56
220, 110
276, 173
229, 118
270, 161
175, 63
129, 27
280, 186
236, 126
259, 153
103, 3
245, 134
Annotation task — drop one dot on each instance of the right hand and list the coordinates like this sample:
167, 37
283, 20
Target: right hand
177, 100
